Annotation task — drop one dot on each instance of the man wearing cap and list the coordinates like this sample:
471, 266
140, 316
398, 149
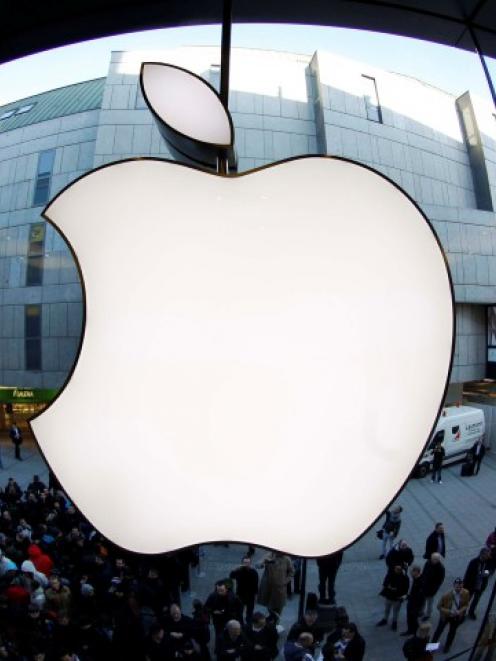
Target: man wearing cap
452, 608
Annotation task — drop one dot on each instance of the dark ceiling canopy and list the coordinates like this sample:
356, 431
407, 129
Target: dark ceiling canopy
29, 26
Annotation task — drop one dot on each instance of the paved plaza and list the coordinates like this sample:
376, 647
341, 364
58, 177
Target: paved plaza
466, 506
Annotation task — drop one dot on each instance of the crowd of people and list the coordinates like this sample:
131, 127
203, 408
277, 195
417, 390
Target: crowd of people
421, 587
67, 594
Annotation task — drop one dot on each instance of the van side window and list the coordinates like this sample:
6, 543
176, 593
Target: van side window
438, 438
455, 430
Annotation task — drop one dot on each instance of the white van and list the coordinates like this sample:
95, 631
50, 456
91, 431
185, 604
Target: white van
458, 428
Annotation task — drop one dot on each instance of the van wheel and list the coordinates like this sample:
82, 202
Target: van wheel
422, 470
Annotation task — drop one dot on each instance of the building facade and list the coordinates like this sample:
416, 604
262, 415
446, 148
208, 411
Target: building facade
440, 149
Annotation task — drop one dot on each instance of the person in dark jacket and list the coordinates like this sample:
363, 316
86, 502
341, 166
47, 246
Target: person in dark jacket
233, 644
307, 624
436, 542
438, 455
414, 648
299, 650
16, 438
394, 590
478, 452
156, 648
262, 637
415, 601
476, 578
246, 585
349, 646
328, 568
433, 577
178, 629
222, 605
400, 554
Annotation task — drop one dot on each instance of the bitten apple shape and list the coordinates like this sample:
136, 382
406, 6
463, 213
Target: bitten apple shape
264, 355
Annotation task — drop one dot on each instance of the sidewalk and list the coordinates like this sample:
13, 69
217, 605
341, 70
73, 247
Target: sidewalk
22, 471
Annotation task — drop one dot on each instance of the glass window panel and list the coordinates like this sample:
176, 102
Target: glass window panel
42, 190
45, 161
34, 271
33, 354
371, 99
24, 109
33, 320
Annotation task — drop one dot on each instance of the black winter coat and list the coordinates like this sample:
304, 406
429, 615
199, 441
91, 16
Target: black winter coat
395, 586
431, 545
474, 578
433, 577
265, 639
397, 556
354, 651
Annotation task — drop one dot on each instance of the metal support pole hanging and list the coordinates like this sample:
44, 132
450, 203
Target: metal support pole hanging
483, 63
225, 63
303, 588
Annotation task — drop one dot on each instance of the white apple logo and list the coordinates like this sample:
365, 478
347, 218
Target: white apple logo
264, 355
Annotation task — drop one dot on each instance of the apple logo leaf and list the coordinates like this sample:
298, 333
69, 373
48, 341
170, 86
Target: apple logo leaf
188, 111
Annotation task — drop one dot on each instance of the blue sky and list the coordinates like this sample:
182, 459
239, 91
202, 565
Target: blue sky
448, 68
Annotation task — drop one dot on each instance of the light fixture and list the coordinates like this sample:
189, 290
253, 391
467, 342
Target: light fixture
243, 340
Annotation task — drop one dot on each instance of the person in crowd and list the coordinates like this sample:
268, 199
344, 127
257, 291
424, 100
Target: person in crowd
390, 529
341, 622
152, 592
350, 645
328, 569
246, 578
299, 650
278, 571
223, 606
415, 601
128, 640
32, 574
394, 590
156, 648
308, 624
435, 542
58, 596
478, 452
294, 585
400, 554
262, 637
438, 455
7, 566
233, 644
13, 491
36, 486
414, 648
476, 578
178, 629
40, 559
433, 575
201, 628
16, 438
452, 609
